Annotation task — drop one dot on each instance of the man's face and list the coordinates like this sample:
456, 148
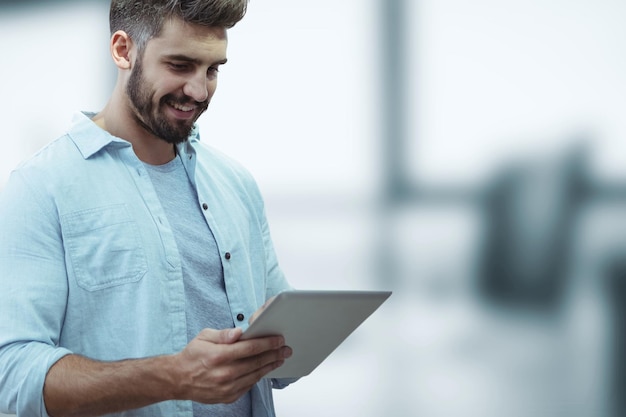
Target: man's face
172, 83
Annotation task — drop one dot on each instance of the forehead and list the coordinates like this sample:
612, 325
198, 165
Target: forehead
196, 41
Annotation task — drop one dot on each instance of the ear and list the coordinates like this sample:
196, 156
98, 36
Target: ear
121, 47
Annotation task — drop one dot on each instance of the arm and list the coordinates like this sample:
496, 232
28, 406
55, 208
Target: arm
34, 294
215, 367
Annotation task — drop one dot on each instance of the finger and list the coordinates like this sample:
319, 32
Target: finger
260, 310
261, 364
247, 380
260, 367
255, 315
251, 348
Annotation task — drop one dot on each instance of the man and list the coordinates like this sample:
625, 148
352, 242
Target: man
132, 255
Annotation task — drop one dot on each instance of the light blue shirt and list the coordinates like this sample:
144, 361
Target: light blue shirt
205, 292
89, 264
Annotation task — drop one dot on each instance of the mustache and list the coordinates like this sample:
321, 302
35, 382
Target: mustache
185, 100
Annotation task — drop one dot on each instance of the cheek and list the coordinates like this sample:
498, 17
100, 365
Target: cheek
167, 87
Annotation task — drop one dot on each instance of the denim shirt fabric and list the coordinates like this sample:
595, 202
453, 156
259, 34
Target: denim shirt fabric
89, 264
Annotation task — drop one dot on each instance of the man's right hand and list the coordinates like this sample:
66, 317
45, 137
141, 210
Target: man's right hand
217, 367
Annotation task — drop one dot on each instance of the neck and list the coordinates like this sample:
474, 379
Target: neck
116, 120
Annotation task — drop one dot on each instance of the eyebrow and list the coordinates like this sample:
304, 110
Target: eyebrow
185, 58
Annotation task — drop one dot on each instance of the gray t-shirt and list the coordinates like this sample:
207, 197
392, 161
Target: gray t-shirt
205, 292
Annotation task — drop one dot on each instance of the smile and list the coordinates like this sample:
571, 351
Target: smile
182, 107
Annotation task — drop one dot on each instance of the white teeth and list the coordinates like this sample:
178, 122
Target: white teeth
181, 107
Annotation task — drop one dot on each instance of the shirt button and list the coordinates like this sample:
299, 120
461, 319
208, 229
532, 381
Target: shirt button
240, 317
227, 256
205, 206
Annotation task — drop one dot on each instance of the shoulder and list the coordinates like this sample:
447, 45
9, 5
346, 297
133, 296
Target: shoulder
51, 160
29, 190
212, 159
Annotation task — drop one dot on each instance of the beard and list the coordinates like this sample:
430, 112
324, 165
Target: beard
152, 119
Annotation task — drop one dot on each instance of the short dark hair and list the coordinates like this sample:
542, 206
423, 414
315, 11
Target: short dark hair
143, 20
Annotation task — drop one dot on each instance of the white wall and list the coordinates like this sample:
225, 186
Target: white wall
54, 63
496, 77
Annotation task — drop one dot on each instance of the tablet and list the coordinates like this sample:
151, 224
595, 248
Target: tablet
313, 323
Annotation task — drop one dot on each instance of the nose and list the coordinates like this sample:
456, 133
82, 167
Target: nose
197, 87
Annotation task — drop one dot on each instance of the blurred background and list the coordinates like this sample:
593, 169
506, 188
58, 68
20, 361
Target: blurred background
469, 156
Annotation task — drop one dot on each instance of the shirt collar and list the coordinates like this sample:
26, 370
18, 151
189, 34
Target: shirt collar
90, 138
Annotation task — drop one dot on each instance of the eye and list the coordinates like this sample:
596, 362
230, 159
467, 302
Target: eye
178, 67
211, 73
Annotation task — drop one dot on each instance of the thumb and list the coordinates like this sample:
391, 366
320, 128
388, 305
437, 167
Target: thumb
226, 336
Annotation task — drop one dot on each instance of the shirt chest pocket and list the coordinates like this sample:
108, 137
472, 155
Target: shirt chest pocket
103, 247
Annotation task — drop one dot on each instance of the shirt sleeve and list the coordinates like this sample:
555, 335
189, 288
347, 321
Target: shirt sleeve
276, 280
33, 288
276, 283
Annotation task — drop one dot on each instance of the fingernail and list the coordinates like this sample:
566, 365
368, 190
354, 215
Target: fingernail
287, 352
